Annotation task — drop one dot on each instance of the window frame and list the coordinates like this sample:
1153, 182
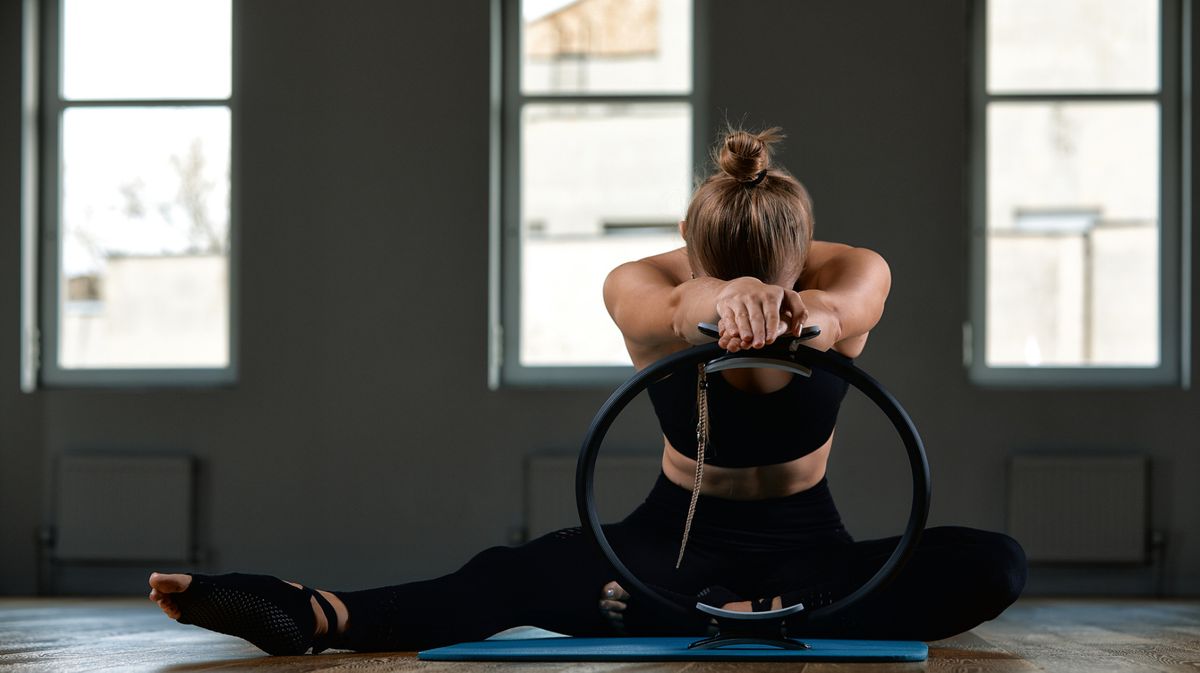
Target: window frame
1174, 216
504, 254
42, 367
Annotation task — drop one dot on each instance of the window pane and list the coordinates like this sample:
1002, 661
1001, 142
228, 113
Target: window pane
601, 185
144, 238
606, 46
146, 49
1072, 45
1072, 247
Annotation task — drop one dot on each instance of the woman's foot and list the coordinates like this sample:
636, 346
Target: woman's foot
614, 601
170, 592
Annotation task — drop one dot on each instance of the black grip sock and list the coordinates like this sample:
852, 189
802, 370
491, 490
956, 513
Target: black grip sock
273, 615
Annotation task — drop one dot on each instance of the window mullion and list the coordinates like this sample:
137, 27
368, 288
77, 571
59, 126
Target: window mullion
148, 102
49, 218
606, 98
1040, 97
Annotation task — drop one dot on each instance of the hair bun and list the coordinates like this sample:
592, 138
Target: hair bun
744, 155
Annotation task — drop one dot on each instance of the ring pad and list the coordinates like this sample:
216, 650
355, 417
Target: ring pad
722, 363
783, 354
765, 614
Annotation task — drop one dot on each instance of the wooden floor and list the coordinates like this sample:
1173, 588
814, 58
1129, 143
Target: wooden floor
1088, 636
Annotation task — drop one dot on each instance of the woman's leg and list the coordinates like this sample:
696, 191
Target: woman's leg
499, 588
550, 582
957, 579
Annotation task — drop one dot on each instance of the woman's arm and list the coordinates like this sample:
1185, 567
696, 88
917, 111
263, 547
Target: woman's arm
652, 306
845, 291
846, 288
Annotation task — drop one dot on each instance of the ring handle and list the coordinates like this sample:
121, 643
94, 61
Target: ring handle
786, 354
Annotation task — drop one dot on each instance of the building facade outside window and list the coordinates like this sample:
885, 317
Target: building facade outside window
1077, 197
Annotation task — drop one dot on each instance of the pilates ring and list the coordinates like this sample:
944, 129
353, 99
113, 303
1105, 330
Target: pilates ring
788, 354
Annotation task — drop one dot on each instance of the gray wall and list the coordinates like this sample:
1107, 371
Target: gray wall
22, 450
346, 458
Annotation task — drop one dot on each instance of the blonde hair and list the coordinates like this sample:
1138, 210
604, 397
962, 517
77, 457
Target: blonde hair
750, 217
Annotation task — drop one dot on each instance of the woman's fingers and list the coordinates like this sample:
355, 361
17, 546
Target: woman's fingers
748, 329
728, 332
755, 315
758, 314
750, 309
732, 342
785, 324
728, 326
793, 304
742, 317
748, 318
771, 322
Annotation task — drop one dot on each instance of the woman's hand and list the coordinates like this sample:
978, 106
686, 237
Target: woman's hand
753, 313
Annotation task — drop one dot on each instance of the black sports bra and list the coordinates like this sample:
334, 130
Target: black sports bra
749, 429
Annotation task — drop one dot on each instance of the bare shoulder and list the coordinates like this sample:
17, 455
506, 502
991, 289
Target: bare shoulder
828, 260
662, 269
854, 279
637, 295
821, 251
673, 263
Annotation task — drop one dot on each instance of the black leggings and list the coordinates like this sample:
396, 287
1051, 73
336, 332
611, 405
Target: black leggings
795, 547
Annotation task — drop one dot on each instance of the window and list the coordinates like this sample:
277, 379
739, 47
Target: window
595, 166
1077, 195
135, 216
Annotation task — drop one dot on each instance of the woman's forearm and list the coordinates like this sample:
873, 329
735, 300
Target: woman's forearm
692, 302
822, 312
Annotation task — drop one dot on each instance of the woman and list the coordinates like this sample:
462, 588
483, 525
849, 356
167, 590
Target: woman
743, 478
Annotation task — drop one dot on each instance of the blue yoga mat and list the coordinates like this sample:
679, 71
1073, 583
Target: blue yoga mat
672, 649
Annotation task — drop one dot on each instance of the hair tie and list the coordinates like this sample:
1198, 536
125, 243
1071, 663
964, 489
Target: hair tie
757, 179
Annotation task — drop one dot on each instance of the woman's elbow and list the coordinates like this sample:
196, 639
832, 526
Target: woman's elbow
875, 284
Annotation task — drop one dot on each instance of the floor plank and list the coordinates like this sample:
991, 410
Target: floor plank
1092, 636
1095, 636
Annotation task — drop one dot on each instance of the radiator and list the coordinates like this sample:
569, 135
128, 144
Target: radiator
113, 508
1080, 508
622, 482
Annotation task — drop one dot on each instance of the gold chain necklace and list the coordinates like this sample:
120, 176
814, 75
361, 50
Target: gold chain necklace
701, 445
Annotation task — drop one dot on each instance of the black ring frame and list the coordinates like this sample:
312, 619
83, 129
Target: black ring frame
788, 352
